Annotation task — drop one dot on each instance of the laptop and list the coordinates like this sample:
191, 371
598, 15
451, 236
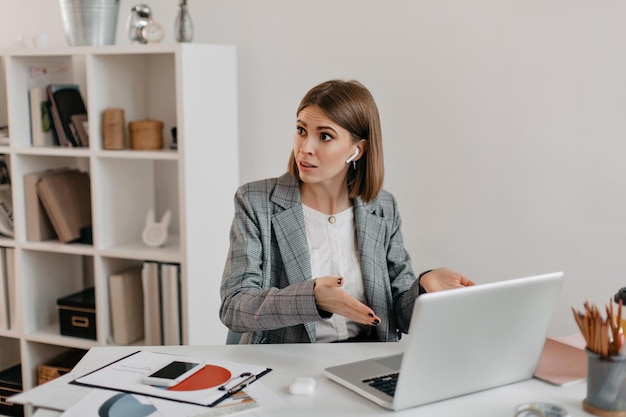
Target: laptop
461, 341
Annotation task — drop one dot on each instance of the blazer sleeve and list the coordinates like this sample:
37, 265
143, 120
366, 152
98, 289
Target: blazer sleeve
252, 299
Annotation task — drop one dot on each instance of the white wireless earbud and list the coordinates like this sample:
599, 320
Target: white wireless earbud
356, 153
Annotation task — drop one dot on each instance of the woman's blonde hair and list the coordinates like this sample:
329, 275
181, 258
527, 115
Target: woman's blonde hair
351, 106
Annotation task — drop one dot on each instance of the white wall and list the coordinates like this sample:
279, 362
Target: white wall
504, 120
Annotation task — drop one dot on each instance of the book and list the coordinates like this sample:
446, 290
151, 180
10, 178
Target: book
170, 308
126, 303
4, 297
80, 128
65, 100
66, 198
9, 264
38, 225
40, 118
6, 210
153, 330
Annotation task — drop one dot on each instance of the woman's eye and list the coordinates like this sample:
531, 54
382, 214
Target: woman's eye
325, 137
300, 130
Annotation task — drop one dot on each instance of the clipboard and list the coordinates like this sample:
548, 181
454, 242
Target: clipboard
218, 381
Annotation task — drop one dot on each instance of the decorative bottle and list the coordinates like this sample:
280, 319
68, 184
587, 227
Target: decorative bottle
183, 27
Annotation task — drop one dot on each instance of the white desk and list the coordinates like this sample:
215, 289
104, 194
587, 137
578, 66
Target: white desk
329, 398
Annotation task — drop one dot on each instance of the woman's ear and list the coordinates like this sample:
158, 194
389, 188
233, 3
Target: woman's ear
362, 147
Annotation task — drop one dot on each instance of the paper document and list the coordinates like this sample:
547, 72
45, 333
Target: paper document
100, 402
216, 382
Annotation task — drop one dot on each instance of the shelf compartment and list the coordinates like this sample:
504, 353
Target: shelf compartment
41, 353
26, 72
141, 84
148, 184
107, 267
47, 276
26, 164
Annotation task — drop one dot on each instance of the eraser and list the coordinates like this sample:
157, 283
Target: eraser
302, 386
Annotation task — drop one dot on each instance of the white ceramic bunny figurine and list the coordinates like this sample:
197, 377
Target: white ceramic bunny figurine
155, 234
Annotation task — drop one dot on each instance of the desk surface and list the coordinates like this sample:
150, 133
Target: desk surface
329, 398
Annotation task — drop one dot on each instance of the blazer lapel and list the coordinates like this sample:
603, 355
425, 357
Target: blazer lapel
370, 234
292, 244
288, 224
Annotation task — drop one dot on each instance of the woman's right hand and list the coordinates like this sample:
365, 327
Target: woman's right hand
330, 296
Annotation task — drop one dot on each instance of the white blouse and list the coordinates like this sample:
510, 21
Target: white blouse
333, 250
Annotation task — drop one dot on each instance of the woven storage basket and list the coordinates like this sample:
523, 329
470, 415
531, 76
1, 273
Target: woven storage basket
59, 365
146, 134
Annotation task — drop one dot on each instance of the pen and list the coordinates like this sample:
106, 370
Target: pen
242, 385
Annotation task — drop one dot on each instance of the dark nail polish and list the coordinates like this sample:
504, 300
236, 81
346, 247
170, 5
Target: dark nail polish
376, 322
339, 280
371, 315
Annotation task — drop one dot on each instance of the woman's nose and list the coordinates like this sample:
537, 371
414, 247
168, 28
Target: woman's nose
307, 145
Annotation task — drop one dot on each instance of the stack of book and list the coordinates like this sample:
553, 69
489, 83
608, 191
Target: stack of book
58, 116
145, 304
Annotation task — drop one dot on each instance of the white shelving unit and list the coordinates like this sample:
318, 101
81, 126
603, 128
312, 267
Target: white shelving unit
190, 86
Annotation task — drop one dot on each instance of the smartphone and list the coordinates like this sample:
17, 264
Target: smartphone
173, 373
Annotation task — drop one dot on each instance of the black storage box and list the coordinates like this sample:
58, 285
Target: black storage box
77, 314
11, 384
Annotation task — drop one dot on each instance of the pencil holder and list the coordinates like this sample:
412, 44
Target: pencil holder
606, 385
146, 134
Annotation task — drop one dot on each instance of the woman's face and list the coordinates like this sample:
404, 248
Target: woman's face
321, 148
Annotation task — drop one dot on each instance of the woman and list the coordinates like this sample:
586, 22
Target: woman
317, 255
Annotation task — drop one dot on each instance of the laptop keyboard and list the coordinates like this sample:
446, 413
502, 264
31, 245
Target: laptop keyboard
384, 383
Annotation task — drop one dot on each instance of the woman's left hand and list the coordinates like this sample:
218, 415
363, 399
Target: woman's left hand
441, 279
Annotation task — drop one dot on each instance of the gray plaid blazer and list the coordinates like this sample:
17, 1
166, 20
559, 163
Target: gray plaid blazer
267, 287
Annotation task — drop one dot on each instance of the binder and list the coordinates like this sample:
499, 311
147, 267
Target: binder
153, 330
170, 309
126, 302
